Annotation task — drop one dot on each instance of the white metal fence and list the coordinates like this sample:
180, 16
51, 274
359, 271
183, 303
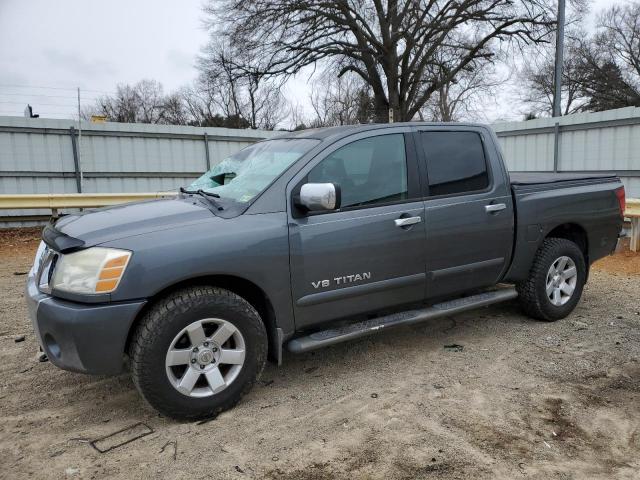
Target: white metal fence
52, 156
49, 156
584, 143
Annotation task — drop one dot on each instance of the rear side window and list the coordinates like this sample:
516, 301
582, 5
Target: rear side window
455, 162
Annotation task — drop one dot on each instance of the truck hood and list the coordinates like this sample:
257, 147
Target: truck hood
120, 221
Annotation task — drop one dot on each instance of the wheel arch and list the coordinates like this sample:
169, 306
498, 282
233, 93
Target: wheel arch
529, 240
242, 287
575, 233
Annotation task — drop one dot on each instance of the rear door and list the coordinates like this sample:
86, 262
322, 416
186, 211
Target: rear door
468, 210
369, 254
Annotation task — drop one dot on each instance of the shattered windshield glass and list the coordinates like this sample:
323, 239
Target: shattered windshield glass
247, 173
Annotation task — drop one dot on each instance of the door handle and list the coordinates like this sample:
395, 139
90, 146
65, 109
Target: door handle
494, 207
405, 222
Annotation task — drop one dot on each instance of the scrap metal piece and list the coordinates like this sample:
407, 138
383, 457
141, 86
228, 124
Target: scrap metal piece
121, 437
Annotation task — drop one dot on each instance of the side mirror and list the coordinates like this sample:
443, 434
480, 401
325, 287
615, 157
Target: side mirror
319, 197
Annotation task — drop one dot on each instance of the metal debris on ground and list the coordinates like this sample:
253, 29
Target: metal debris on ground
454, 347
173, 443
42, 357
80, 440
121, 437
207, 420
19, 338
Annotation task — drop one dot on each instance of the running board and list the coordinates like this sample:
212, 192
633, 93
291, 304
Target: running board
325, 338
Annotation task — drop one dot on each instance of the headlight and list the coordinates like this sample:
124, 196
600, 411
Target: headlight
94, 270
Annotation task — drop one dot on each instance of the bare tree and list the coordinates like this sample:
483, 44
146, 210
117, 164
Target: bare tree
298, 120
603, 82
601, 70
200, 105
465, 96
538, 75
174, 110
343, 100
405, 50
620, 32
245, 93
144, 102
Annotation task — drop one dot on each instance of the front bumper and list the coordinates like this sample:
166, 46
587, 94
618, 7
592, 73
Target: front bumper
80, 337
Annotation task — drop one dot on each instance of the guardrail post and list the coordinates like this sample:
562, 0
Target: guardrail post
206, 151
76, 162
556, 146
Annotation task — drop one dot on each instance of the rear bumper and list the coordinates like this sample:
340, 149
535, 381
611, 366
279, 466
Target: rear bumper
81, 337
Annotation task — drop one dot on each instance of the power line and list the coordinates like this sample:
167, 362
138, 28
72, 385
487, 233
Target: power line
20, 114
11, 94
35, 86
57, 88
98, 91
34, 95
40, 103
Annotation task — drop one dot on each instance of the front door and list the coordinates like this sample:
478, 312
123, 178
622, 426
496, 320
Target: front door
369, 254
469, 212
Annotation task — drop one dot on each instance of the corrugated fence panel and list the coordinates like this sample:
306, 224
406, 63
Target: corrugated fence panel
587, 142
528, 152
36, 155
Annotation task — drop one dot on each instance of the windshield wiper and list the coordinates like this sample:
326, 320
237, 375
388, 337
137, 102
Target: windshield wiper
199, 191
208, 195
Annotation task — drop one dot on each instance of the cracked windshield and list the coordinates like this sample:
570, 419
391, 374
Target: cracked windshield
245, 174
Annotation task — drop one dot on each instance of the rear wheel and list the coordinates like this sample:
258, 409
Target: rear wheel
197, 352
555, 281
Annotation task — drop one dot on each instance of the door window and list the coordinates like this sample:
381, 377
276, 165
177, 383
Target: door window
455, 162
369, 171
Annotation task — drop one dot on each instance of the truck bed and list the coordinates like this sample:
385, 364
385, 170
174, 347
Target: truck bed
536, 178
543, 201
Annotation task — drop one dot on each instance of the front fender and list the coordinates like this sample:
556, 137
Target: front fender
250, 247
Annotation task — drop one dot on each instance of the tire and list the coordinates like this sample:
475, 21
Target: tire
177, 336
533, 296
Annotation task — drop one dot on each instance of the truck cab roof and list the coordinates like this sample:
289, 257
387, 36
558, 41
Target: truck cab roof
325, 133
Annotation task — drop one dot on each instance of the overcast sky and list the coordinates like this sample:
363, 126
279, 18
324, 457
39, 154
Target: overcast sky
94, 45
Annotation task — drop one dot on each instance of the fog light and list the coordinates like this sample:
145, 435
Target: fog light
52, 345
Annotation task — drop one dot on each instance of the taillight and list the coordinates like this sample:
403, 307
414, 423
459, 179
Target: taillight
621, 199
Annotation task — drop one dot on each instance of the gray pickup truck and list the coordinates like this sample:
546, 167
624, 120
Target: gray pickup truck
306, 240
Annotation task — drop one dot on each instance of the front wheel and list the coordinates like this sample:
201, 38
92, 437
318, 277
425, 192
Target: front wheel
555, 281
197, 352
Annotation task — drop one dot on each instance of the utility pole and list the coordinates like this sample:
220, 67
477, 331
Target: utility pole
79, 137
557, 81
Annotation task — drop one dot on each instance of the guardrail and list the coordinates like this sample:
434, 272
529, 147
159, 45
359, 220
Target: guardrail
57, 202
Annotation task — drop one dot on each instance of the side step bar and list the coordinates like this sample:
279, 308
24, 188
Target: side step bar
325, 338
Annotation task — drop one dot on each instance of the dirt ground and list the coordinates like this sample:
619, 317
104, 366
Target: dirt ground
522, 399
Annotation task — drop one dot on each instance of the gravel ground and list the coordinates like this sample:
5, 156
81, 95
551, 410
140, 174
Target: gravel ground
522, 399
